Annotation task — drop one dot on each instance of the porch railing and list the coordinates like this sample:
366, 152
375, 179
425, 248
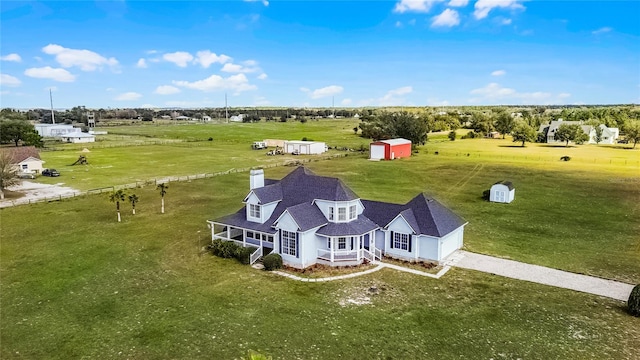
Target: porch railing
338, 255
255, 256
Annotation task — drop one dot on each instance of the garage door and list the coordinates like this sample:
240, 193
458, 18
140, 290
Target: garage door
377, 151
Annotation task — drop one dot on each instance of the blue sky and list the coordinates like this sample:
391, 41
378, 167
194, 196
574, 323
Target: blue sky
309, 53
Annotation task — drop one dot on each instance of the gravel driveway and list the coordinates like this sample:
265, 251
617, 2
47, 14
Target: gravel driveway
541, 275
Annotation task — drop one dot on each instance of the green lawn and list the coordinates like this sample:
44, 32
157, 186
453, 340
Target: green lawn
79, 284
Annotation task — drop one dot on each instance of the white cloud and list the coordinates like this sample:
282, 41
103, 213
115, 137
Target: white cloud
458, 3
506, 22
264, 2
262, 76
180, 58
86, 60
346, 102
414, 6
437, 102
8, 80
152, 52
398, 24
238, 83
48, 72
323, 92
602, 30
128, 96
448, 18
166, 90
391, 98
564, 95
51, 88
142, 63
11, 57
261, 101
148, 106
498, 73
248, 67
205, 58
494, 92
483, 7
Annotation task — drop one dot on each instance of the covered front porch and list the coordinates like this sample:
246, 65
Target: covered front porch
340, 250
244, 237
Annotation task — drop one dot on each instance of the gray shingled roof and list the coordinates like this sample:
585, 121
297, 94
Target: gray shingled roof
298, 189
359, 226
307, 216
21, 153
268, 194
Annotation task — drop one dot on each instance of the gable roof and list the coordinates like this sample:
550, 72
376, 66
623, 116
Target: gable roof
21, 153
398, 141
306, 215
268, 194
508, 184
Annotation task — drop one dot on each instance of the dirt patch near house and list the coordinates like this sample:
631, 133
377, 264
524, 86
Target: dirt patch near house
34, 192
365, 293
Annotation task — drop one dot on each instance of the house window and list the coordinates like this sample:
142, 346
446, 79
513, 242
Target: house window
25, 166
352, 212
331, 215
342, 214
342, 243
250, 234
254, 210
401, 241
288, 240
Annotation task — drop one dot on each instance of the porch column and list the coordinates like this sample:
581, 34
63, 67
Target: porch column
359, 248
333, 246
372, 244
228, 232
261, 236
416, 247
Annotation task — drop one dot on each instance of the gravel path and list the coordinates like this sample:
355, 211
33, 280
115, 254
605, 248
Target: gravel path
541, 275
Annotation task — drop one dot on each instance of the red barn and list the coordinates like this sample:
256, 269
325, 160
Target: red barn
390, 149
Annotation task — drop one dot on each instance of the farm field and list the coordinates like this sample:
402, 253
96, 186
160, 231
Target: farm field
142, 289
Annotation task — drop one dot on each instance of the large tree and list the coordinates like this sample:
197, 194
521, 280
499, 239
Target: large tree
8, 171
504, 123
387, 125
19, 130
573, 132
632, 131
522, 132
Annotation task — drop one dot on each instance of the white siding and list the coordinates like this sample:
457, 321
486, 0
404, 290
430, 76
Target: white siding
451, 242
324, 206
501, 193
286, 222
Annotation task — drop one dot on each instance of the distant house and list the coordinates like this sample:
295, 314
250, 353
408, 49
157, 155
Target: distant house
609, 135
78, 137
310, 219
183, 118
502, 192
390, 149
206, 118
26, 159
237, 118
304, 147
54, 130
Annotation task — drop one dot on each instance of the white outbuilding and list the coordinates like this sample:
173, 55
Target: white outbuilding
304, 147
502, 192
78, 137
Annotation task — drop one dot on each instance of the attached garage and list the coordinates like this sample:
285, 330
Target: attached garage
390, 149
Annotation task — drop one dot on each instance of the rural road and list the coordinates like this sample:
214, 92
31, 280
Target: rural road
541, 275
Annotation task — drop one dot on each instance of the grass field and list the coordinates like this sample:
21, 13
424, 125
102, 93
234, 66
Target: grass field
81, 285
91, 287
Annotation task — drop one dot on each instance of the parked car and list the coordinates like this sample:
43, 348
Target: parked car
50, 172
26, 175
258, 145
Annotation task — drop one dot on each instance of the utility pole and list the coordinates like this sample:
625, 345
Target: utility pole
53, 119
226, 108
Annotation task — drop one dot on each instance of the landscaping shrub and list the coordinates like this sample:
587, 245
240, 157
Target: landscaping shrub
272, 262
243, 254
224, 249
565, 158
634, 301
470, 135
486, 195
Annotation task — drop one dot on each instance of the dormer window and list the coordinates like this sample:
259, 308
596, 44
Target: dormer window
352, 212
254, 211
331, 214
342, 214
